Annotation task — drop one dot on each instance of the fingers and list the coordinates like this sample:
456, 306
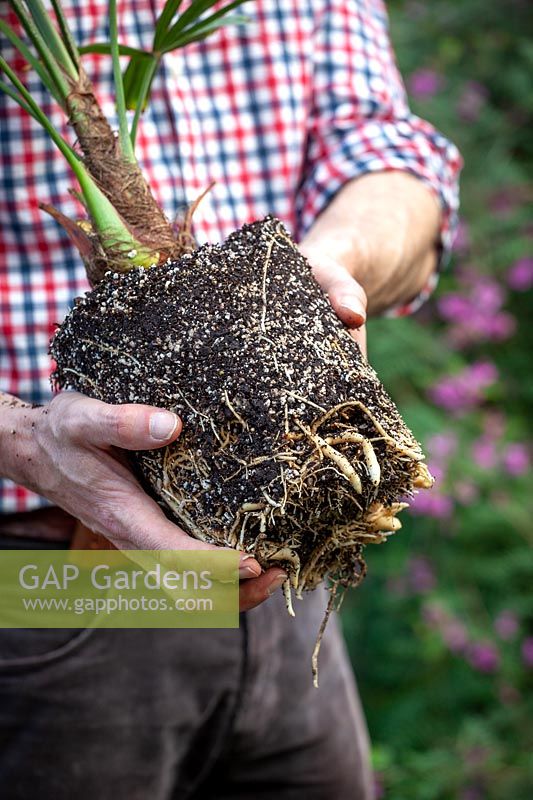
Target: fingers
348, 300
254, 592
129, 426
346, 295
130, 519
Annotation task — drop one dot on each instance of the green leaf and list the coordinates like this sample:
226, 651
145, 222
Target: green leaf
192, 15
104, 48
26, 101
120, 103
40, 43
41, 17
142, 92
6, 88
203, 30
66, 35
34, 62
135, 78
170, 9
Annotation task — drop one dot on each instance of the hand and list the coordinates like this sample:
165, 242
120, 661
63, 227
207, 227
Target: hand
380, 231
69, 452
346, 295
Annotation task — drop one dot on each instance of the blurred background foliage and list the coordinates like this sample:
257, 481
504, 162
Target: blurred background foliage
440, 632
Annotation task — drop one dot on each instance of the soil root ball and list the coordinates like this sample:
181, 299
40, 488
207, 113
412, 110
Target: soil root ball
291, 449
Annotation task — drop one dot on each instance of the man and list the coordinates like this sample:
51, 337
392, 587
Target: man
300, 113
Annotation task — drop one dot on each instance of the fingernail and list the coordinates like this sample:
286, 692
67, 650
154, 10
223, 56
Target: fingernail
162, 425
248, 570
354, 305
276, 584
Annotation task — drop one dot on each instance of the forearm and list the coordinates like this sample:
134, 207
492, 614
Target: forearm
14, 426
383, 229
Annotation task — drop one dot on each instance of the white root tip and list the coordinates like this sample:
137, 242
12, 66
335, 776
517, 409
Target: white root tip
424, 478
288, 598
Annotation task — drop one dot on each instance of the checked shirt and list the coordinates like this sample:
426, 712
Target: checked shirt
280, 112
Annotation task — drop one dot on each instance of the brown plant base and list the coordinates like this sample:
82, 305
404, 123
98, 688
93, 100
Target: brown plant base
291, 449
121, 180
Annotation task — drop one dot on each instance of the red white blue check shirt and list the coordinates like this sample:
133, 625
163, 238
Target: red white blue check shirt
280, 112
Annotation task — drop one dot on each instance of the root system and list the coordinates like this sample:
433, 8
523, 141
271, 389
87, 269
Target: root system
291, 449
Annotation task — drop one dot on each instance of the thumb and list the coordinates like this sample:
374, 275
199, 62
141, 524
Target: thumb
346, 295
129, 426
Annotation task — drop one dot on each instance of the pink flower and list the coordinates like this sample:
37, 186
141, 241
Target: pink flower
516, 459
476, 316
441, 446
379, 787
472, 100
483, 374
461, 242
437, 471
425, 83
506, 625
520, 275
421, 575
464, 391
500, 327
455, 636
432, 504
484, 657
453, 395
484, 453
466, 492
527, 651
488, 296
454, 307
434, 614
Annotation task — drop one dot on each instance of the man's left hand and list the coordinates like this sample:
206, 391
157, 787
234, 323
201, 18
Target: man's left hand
346, 295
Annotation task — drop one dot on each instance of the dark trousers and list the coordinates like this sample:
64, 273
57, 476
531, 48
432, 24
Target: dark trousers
182, 714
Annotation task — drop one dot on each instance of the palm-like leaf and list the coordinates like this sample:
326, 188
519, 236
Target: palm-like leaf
170, 34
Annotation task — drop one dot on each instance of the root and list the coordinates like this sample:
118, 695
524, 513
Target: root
235, 413
185, 238
374, 470
329, 608
288, 598
338, 459
402, 449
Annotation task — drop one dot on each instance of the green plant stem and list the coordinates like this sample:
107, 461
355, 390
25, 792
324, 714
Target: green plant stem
56, 76
142, 97
110, 226
29, 104
41, 17
68, 39
30, 58
120, 102
4, 87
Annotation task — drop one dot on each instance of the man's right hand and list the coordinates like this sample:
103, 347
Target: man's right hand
69, 452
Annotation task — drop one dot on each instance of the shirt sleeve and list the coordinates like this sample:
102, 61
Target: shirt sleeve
361, 122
